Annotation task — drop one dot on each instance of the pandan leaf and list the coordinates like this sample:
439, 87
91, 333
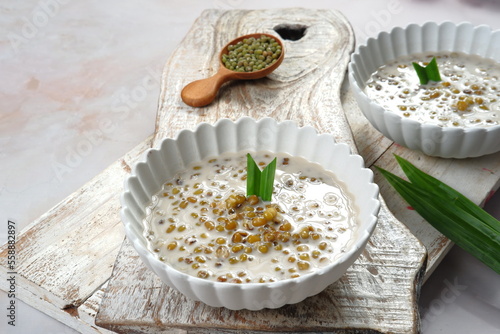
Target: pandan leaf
429, 72
259, 182
451, 213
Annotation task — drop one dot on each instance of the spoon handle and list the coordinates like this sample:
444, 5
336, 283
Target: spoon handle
202, 92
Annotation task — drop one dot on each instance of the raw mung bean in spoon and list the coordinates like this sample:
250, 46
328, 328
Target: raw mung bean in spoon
247, 57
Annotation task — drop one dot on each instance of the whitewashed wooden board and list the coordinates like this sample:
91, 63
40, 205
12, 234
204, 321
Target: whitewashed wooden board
379, 292
67, 255
64, 274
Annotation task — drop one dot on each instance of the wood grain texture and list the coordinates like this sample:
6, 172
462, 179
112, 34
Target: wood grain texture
375, 295
476, 178
62, 273
39, 299
305, 88
378, 293
66, 255
88, 310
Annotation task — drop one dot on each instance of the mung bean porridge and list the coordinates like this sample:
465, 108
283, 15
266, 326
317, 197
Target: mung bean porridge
202, 223
467, 96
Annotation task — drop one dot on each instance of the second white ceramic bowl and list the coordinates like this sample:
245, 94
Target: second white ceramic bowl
433, 140
160, 164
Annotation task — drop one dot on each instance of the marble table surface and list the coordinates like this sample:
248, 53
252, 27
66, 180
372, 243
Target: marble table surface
79, 87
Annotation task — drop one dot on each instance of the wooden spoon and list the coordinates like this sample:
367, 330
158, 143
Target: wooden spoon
202, 92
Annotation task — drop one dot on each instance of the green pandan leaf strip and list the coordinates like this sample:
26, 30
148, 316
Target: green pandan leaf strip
259, 182
449, 212
267, 181
429, 72
253, 176
424, 180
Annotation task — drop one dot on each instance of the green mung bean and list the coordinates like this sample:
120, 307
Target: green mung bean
252, 54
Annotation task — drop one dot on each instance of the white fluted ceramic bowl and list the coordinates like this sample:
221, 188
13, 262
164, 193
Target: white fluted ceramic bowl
433, 140
160, 164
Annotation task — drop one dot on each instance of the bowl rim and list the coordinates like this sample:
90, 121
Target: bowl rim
352, 68
139, 242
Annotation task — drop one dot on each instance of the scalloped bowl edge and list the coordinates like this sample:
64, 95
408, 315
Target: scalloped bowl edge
154, 167
432, 140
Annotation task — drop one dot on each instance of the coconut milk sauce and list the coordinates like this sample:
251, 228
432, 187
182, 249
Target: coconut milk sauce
467, 96
308, 196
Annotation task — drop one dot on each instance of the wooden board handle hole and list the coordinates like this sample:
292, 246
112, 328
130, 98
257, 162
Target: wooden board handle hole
291, 32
